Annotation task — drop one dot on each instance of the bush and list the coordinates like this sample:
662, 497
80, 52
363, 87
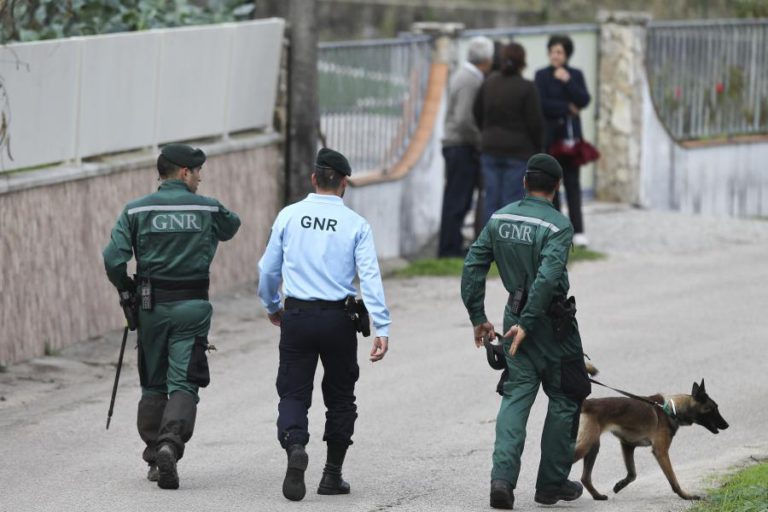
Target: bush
32, 20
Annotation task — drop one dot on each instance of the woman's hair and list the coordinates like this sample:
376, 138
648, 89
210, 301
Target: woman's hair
563, 41
513, 59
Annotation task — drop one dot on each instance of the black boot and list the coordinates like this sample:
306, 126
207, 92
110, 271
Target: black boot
502, 495
148, 417
293, 484
332, 483
569, 491
167, 477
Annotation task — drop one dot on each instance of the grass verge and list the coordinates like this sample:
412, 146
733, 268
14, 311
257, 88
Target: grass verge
447, 267
744, 491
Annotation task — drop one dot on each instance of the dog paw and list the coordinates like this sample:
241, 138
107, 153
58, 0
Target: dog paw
694, 497
600, 497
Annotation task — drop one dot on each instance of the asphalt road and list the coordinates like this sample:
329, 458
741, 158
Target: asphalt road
678, 299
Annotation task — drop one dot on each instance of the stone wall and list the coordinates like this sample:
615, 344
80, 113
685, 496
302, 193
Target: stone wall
620, 119
55, 224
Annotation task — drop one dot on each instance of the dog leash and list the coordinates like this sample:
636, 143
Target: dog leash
668, 407
495, 356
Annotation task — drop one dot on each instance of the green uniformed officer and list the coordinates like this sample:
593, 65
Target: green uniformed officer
529, 240
174, 234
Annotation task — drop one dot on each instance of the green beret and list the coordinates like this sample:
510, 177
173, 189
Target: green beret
330, 159
183, 155
546, 164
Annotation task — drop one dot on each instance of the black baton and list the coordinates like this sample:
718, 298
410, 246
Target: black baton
117, 376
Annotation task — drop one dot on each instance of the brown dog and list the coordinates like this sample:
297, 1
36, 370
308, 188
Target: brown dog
638, 423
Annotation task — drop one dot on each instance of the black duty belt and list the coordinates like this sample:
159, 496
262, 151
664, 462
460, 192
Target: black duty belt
162, 295
188, 284
166, 290
291, 303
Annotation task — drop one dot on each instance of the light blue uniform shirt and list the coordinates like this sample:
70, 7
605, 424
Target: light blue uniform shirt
316, 248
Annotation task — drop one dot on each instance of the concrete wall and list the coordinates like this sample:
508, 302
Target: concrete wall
405, 214
727, 178
55, 224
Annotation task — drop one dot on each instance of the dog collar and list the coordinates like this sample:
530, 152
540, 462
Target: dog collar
669, 408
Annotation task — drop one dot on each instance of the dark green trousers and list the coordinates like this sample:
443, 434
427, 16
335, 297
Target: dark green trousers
173, 365
539, 361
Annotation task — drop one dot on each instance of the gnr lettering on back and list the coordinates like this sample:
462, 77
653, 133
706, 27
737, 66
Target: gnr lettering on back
176, 222
520, 233
308, 222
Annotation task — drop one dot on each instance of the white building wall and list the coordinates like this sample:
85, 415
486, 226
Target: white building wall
68, 99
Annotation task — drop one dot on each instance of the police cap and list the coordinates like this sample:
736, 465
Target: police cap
546, 164
330, 159
183, 155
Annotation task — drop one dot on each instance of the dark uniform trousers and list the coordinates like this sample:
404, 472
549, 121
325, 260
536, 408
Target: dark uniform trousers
307, 334
172, 366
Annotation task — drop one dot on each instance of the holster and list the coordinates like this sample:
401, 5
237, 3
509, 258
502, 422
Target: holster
129, 303
359, 314
561, 312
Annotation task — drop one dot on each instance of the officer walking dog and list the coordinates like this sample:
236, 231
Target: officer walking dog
173, 234
529, 240
316, 248
643, 421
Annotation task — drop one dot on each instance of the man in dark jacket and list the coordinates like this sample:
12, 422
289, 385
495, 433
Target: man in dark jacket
461, 145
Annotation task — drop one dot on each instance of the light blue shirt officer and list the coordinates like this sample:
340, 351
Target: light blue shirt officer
316, 248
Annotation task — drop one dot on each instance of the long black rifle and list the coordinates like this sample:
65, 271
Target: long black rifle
117, 376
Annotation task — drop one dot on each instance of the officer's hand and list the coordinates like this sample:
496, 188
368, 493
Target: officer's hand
380, 347
482, 330
519, 334
276, 318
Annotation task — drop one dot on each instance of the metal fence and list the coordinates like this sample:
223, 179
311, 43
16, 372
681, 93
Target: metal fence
371, 96
709, 79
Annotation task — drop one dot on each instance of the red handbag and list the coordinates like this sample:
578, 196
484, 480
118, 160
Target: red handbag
576, 151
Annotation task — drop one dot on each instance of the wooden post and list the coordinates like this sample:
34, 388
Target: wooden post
303, 110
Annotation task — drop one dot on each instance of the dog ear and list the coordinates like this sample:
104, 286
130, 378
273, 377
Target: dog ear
699, 393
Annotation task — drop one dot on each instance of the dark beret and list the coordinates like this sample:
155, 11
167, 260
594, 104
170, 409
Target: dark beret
546, 164
183, 155
330, 159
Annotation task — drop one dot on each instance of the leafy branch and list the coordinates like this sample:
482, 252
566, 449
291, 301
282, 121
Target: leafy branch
32, 20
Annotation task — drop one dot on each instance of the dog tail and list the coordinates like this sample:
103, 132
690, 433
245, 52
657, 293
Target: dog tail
591, 369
